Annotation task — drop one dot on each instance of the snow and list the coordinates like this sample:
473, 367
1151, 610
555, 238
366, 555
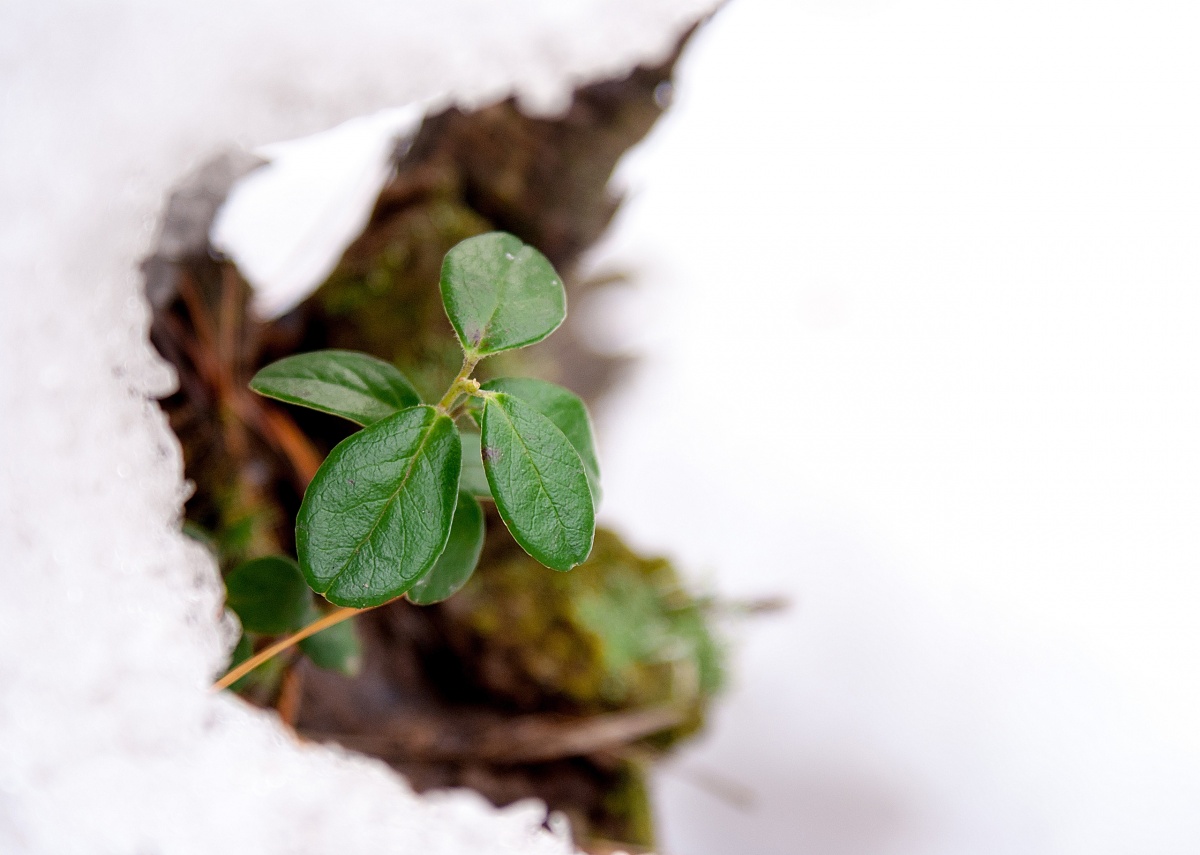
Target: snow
287, 223
111, 627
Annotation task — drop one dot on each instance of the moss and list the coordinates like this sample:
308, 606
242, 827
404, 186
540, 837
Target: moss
384, 297
628, 806
617, 632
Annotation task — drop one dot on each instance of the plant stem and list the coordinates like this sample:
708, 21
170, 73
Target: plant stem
462, 383
278, 647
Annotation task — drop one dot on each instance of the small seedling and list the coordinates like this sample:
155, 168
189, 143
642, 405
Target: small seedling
394, 511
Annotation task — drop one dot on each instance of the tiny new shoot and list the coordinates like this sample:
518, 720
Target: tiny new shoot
394, 509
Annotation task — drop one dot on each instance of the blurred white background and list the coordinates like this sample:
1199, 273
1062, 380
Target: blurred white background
918, 310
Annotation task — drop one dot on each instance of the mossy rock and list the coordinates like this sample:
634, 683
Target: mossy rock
620, 631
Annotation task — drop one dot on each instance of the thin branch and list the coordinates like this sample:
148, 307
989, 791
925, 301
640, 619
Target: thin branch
463, 384
278, 647
281, 433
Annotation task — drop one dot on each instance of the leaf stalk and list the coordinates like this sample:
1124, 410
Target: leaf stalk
463, 384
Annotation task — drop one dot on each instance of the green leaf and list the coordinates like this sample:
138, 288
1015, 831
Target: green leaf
538, 482
500, 294
336, 648
266, 677
241, 652
345, 383
473, 479
457, 563
377, 514
268, 594
566, 410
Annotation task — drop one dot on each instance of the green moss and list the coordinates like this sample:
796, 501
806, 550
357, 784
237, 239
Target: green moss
384, 297
628, 807
617, 632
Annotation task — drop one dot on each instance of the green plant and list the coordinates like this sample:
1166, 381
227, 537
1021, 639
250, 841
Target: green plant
394, 509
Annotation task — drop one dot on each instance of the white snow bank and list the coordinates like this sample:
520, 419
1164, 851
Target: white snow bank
287, 223
110, 627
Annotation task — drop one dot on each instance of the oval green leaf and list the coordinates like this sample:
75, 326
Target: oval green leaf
538, 481
345, 383
500, 294
377, 514
458, 561
473, 479
269, 595
336, 648
567, 411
